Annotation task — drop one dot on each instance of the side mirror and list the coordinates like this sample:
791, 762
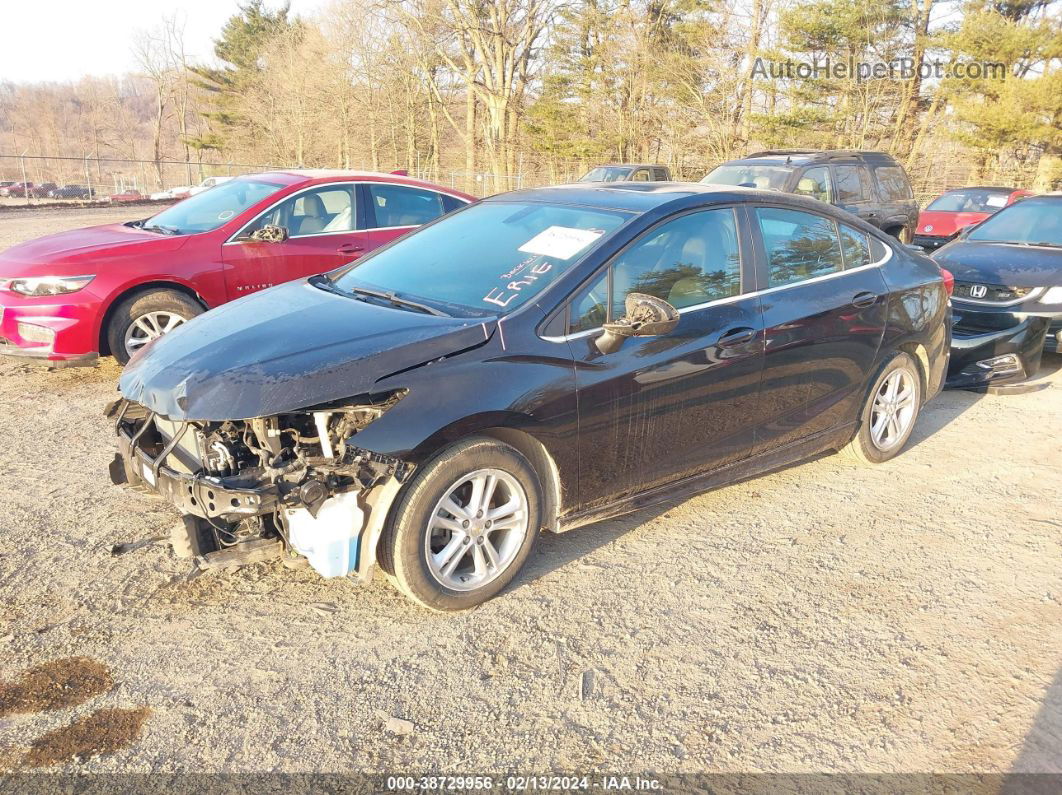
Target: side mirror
647, 316
269, 234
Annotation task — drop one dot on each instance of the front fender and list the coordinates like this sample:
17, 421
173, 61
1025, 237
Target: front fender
459, 397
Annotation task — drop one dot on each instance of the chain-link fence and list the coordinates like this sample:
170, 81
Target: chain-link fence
26, 179
39, 180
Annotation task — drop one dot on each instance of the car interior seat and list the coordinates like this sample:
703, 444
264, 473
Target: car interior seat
314, 218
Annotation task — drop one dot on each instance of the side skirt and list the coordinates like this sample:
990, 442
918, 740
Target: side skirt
800, 450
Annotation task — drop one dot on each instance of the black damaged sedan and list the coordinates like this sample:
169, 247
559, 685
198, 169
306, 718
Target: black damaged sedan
537, 361
1008, 293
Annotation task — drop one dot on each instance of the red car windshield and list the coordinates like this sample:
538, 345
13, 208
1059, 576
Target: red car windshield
212, 208
970, 201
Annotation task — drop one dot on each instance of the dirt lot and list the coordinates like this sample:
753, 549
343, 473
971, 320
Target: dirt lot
901, 618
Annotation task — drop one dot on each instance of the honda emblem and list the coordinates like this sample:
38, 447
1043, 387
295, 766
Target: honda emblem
978, 291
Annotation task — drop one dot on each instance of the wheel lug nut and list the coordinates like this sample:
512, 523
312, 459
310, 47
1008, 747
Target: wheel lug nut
465, 524
489, 523
479, 514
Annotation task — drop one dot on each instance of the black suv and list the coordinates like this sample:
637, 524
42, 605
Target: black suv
871, 185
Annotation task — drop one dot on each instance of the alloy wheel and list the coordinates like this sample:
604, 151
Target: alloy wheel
476, 529
894, 409
148, 327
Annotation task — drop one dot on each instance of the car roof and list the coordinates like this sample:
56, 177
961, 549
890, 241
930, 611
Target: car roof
805, 156
641, 197
983, 187
630, 165
295, 176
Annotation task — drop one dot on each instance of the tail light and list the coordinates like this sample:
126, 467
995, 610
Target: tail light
949, 280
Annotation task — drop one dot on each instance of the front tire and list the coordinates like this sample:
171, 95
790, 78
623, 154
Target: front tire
464, 526
889, 413
145, 316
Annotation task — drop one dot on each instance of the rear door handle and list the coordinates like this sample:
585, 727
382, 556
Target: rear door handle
737, 336
863, 300
350, 248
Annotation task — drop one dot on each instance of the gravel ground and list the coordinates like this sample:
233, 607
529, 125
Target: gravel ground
822, 618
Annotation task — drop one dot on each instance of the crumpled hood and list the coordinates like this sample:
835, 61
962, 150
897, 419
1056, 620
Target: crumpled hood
79, 246
1005, 264
284, 349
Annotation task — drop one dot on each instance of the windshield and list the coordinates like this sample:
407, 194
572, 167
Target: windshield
749, 176
485, 260
606, 174
969, 201
212, 208
1030, 221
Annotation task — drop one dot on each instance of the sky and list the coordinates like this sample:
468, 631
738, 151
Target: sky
58, 40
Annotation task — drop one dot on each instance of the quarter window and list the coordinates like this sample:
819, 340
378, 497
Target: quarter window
400, 205
799, 245
851, 184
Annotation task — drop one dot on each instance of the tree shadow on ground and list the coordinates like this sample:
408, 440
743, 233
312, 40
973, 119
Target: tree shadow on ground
1041, 751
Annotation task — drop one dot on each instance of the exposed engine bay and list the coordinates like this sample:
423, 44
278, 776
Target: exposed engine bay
293, 484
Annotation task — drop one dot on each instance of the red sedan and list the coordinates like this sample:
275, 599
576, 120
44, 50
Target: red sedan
66, 299
955, 210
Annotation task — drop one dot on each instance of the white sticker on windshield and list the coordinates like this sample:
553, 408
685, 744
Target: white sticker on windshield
996, 201
562, 242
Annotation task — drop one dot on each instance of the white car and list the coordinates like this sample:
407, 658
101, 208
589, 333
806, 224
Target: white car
180, 192
207, 184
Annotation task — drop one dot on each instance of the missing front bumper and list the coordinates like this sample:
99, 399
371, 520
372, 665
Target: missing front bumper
335, 531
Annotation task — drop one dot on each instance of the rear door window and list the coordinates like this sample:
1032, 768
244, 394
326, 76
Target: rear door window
855, 247
851, 184
400, 205
660, 174
893, 183
641, 175
799, 245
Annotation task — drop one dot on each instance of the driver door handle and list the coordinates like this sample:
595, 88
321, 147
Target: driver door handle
350, 248
736, 336
863, 300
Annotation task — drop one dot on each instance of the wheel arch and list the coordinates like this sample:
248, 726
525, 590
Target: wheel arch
515, 430
920, 354
136, 289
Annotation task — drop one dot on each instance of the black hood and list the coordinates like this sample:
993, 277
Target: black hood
287, 348
1008, 264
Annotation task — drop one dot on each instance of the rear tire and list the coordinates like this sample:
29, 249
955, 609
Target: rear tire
889, 413
456, 557
145, 316
902, 233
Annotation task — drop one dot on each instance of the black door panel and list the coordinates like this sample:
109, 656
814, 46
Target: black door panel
824, 316
661, 408
820, 350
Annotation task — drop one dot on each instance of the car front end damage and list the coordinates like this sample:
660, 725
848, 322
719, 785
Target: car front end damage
294, 485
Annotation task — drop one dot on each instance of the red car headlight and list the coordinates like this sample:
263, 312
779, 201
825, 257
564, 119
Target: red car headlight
47, 285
